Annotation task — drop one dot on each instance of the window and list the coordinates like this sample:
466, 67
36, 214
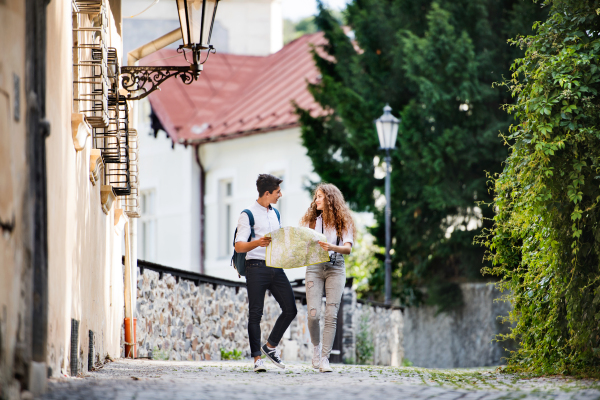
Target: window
226, 221
147, 226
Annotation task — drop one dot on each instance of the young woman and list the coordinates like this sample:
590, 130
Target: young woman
327, 214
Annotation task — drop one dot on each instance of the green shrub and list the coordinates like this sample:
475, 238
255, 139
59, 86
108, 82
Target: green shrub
159, 354
545, 243
364, 341
234, 354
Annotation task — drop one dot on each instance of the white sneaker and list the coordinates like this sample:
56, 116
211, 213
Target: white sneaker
324, 366
259, 366
316, 356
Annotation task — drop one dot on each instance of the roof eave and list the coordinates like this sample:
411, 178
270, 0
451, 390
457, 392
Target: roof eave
237, 135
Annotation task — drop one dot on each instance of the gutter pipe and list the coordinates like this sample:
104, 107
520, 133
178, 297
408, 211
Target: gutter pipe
133, 58
202, 209
151, 47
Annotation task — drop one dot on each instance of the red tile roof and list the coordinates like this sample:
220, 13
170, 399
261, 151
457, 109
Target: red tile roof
237, 95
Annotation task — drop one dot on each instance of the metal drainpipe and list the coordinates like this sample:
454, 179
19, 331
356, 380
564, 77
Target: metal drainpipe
144, 50
202, 211
132, 59
133, 246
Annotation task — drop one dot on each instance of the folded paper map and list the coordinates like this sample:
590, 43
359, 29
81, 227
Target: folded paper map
293, 247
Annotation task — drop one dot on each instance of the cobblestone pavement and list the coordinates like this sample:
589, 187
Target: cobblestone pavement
181, 380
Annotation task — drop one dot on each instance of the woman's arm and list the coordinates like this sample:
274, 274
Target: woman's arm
345, 249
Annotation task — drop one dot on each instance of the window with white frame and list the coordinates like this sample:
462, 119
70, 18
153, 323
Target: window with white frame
147, 226
226, 221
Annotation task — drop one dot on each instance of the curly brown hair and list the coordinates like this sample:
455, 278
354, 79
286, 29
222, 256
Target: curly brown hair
336, 213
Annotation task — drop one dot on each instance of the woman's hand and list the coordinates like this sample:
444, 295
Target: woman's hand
345, 249
326, 246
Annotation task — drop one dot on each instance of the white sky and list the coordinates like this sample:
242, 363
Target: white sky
298, 9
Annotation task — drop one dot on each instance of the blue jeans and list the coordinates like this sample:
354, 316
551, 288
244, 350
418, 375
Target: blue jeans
259, 278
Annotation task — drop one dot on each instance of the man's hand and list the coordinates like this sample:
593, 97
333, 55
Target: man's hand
244, 247
263, 241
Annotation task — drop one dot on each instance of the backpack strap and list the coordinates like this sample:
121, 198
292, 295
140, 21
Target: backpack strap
251, 219
278, 216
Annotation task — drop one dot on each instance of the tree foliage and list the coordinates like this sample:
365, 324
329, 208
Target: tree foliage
434, 63
545, 242
293, 30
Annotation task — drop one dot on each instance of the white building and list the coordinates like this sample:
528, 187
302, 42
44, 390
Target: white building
214, 137
248, 27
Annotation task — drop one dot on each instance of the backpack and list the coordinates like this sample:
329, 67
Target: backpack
238, 260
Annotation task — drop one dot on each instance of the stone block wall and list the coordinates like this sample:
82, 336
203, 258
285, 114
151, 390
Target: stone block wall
184, 321
460, 338
384, 328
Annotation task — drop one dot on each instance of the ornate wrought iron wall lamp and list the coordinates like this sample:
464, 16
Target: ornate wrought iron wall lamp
197, 18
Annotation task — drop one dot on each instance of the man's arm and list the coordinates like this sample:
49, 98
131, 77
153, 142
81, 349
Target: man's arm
243, 232
244, 247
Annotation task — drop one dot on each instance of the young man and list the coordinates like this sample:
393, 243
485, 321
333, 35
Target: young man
259, 277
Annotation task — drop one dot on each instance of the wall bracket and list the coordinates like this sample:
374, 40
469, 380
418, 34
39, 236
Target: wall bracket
139, 82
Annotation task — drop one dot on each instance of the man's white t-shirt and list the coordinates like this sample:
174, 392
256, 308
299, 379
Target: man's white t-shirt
265, 221
331, 234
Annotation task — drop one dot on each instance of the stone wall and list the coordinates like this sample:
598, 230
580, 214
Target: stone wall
183, 321
386, 327
461, 338
383, 327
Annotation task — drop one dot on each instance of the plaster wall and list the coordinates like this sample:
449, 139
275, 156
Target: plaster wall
173, 176
85, 275
240, 161
255, 27
15, 271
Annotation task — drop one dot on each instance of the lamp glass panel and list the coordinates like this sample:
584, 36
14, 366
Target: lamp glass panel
379, 125
394, 134
210, 9
387, 133
190, 18
195, 14
183, 21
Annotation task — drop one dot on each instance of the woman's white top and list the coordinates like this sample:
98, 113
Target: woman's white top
331, 234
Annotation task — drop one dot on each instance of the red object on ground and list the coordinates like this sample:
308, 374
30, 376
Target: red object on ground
130, 350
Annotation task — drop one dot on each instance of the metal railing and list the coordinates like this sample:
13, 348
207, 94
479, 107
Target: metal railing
198, 278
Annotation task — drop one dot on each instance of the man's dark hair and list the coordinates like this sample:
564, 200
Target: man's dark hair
267, 183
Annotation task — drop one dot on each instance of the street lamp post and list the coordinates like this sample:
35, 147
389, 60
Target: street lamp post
387, 131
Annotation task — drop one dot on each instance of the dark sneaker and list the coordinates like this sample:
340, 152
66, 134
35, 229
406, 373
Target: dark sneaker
273, 354
259, 366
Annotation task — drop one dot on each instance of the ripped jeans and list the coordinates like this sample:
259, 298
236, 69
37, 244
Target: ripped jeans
331, 276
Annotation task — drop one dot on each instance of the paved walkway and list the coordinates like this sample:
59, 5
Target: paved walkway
166, 380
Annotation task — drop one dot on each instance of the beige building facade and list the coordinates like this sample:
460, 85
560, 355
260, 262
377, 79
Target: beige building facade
67, 212
16, 278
